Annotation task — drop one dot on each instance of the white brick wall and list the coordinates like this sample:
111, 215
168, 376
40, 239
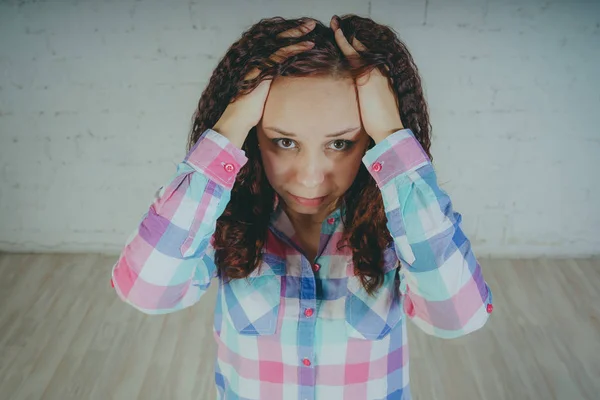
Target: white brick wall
96, 99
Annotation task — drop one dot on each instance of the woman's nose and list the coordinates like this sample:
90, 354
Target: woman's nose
311, 173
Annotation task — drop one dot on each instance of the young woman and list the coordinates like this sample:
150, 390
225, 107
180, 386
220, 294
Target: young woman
308, 191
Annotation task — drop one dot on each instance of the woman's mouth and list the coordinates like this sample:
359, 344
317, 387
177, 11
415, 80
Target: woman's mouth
314, 202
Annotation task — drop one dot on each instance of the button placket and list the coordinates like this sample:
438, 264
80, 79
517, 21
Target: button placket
403, 284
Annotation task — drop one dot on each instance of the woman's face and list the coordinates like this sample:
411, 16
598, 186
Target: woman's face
311, 142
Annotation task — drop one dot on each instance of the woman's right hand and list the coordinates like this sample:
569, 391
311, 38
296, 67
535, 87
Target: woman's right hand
246, 111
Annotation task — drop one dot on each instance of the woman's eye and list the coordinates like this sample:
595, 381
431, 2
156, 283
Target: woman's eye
342, 145
286, 143
337, 145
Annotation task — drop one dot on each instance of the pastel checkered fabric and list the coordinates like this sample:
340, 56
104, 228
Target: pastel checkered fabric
300, 329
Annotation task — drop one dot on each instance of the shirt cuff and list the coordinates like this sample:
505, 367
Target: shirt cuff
215, 156
398, 154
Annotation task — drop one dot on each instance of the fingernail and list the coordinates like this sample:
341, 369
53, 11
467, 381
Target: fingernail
336, 23
308, 25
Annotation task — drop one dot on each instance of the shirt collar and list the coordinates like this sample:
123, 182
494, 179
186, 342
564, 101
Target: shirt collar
281, 222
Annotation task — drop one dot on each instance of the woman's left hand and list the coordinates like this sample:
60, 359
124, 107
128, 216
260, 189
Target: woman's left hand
377, 100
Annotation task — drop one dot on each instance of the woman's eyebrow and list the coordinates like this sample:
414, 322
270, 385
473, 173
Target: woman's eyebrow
340, 133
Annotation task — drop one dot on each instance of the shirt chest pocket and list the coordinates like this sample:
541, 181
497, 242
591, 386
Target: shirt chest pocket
252, 305
374, 317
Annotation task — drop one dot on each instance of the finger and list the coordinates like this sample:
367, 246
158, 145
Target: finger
298, 31
346, 47
358, 45
361, 47
280, 55
334, 23
340, 39
285, 52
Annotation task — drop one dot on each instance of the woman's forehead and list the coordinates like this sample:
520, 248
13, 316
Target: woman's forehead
312, 106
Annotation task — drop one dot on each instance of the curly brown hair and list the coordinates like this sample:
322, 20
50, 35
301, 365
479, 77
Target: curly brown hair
241, 231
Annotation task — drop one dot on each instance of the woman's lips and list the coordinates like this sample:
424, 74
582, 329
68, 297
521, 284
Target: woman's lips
317, 201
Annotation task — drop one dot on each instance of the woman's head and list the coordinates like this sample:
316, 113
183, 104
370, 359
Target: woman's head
311, 143
312, 96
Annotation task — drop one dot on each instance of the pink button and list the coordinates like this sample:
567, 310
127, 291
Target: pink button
316, 267
377, 167
489, 308
229, 167
308, 312
330, 221
306, 362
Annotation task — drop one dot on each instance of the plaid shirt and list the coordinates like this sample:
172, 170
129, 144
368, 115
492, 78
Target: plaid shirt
298, 330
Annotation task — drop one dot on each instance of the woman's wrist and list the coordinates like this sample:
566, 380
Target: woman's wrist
236, 135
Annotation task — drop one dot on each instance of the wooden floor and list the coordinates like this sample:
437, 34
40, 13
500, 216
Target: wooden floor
64, 334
